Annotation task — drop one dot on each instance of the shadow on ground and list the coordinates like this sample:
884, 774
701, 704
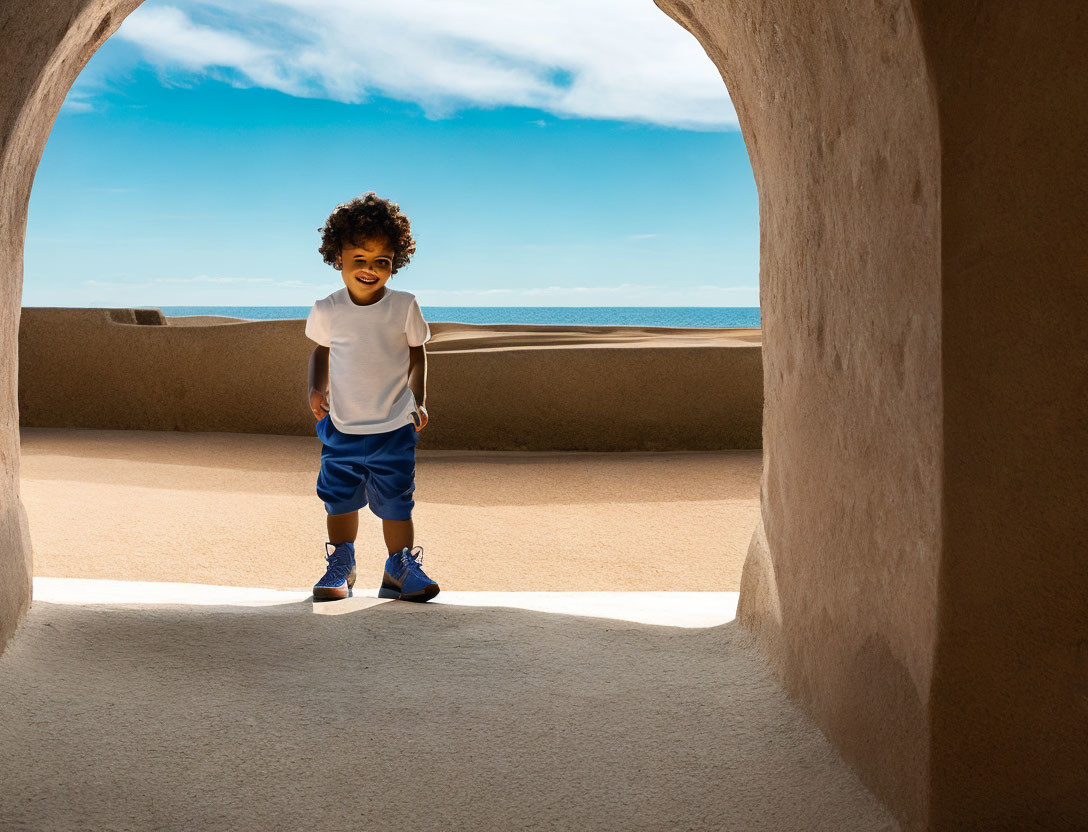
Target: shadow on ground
403, 716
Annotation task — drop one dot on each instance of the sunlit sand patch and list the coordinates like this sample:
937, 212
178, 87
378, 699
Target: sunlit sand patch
670, 609
95, 591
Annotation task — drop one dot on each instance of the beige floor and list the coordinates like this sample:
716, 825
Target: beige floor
397, 716
241, 509
404, 717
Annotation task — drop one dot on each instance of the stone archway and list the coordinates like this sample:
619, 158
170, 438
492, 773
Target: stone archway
905, 219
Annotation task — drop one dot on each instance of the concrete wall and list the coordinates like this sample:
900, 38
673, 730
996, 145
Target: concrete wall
918, 578
1009, 705
98, 368
841, 579
45, 45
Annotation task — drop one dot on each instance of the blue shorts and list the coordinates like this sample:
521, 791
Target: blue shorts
374, 468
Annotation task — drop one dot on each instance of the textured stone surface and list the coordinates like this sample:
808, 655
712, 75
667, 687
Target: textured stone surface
841, 129
923, 309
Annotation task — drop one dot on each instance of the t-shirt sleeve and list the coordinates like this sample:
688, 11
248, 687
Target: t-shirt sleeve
317, 325
415, 327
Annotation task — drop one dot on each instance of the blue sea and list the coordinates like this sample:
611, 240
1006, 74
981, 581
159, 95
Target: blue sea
679, 316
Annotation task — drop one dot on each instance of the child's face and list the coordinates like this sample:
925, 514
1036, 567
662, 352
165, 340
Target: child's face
365, 266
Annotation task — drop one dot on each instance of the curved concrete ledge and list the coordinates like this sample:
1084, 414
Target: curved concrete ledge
488, 388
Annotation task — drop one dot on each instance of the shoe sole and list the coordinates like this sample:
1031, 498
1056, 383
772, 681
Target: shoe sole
334, 593
425, 594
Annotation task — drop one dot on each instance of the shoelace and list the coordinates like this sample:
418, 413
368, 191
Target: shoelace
330, 559
407, 560
337, 567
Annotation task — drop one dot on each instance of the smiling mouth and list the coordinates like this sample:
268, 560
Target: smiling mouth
368, 281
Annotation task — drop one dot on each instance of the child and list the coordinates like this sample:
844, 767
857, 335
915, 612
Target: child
367, 391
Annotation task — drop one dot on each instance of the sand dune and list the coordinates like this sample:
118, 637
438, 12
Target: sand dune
447, 337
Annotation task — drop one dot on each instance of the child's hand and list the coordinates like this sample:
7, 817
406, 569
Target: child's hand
423, 418
319, 403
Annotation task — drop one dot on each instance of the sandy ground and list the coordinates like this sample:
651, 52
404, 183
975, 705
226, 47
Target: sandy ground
389, 715
404, 717
241, 510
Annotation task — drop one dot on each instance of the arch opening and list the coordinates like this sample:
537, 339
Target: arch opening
840, 119
165, 352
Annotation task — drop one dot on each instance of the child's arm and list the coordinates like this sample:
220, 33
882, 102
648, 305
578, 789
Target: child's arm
319, 382
417, 380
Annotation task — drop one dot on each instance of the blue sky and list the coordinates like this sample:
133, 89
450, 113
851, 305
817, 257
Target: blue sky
548, 153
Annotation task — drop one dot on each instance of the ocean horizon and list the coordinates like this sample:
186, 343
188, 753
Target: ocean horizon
724, 317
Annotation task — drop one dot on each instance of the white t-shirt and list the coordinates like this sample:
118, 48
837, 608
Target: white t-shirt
368, 358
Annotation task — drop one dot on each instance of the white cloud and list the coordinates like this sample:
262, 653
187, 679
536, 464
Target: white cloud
203, 278
199, 290
78, 100
111, 284
613, 59
199, 279
205, 290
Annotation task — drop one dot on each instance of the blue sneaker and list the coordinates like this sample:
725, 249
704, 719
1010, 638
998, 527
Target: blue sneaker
404, 578
339, 578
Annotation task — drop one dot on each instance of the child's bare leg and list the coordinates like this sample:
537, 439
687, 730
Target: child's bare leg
398, 534
343, 528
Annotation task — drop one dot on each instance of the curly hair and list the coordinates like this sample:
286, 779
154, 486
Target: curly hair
367, 216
